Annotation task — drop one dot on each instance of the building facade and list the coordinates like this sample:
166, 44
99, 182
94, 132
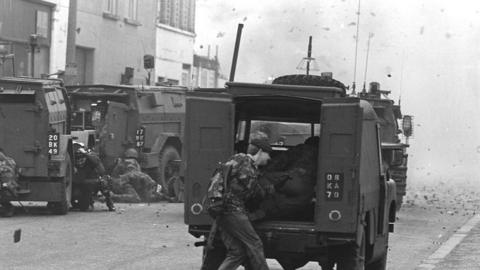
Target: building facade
32, 37
112, 38
206, 72
175, 32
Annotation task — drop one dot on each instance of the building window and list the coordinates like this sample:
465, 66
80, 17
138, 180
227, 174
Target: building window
112, 6
133, 9
177, 13
41, 23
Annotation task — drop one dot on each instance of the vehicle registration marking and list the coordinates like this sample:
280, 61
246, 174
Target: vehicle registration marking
334, 186
53, 143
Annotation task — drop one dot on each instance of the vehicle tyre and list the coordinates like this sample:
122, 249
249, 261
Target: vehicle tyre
62, 207
380, 264
313, 80
399, 202
353, 257
288, 263
166, 170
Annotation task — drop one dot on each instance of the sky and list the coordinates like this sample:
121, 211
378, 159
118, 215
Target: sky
427, 52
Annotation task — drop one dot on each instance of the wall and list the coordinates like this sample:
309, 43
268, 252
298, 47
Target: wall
174, 49
116, 42
18, 20
58, 48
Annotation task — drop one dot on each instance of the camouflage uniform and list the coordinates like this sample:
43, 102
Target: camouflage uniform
237, 233
132, 185
293, 175
8, 182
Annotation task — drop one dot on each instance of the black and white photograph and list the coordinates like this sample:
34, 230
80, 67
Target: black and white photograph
240, 134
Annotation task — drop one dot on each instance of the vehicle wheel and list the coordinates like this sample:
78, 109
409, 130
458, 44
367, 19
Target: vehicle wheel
167, 168
291, 263
399, 202
302, 79
380, 264
353, 257
62, 207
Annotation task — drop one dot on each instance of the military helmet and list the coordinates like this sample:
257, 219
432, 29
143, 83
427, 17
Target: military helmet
80, 153
131, 153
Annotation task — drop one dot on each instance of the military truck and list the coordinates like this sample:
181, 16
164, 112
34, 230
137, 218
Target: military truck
35, 132
113, 118
353, 207
394, 150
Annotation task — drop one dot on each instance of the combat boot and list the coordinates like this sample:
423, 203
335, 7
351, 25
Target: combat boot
109, 203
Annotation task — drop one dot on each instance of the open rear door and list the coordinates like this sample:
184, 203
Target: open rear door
208, 140
337, 177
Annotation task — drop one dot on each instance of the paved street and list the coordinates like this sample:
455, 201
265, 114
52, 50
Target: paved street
141, 236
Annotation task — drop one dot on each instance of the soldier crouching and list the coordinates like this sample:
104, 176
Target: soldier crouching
89, 178
130, 184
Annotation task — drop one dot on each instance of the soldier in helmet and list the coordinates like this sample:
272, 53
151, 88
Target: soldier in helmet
91, 175
8, 182
130, 182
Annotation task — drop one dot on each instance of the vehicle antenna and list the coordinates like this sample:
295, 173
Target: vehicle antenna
401, 80
309, 54
356, 50
370, 35
235, 52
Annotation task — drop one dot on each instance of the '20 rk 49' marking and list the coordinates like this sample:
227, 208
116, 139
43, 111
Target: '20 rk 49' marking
333, 186
53, 143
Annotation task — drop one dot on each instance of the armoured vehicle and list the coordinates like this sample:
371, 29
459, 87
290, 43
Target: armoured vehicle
113, 118
394, 150
35, 132
352, 209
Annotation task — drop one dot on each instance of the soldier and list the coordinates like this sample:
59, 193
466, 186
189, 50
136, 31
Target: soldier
131, 181
293, 175
8, 181
240, 239
130, 158
88, 168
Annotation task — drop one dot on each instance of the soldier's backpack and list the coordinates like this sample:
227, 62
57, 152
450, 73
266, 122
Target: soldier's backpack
217, 188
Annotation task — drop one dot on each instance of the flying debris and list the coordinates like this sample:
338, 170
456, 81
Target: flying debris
352, 24
220, 34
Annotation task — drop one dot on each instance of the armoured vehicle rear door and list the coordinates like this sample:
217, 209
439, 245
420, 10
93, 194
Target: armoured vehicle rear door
208, 140
115, 129
20, 123
337, 177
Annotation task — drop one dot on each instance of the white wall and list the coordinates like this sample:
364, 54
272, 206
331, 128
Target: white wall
174, 48
58, 48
